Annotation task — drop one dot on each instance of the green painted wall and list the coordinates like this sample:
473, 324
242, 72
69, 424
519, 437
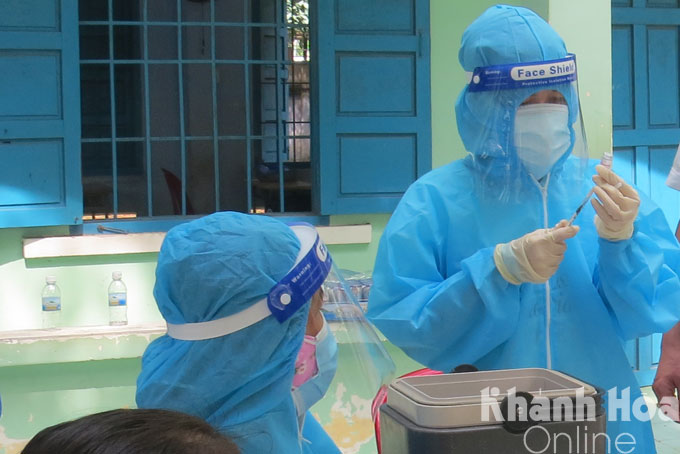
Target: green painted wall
83, 282
359, 257
586, 28
43, 394
448, 21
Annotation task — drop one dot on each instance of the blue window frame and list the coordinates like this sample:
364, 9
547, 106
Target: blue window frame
374, 129
191, 107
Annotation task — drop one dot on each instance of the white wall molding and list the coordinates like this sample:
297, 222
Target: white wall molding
28, 336
138, 243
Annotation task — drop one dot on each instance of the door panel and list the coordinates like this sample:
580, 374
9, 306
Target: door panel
646, 112
40, 181
374, 102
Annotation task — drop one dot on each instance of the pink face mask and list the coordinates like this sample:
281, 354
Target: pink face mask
305, 364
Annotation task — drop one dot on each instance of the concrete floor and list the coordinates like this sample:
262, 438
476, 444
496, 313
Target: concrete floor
666, 434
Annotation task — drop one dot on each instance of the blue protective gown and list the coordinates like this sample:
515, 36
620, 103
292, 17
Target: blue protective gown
315, 440
436, 291
240, 383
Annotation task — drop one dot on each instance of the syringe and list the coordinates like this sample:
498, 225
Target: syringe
580, 207
607, 161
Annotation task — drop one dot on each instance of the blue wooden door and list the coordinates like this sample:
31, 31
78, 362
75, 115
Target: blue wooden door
39, 113
373, 102
646, 115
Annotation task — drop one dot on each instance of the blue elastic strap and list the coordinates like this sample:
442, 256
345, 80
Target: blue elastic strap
298, 286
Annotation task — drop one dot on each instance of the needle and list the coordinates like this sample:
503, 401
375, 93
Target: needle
581, 205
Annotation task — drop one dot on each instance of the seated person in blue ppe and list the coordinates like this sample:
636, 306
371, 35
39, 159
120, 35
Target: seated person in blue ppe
235, 330
479, 263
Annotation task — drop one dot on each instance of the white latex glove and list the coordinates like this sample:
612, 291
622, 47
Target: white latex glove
535, 256
616, 205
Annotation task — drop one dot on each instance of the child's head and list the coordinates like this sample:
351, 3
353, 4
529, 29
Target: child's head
137, 431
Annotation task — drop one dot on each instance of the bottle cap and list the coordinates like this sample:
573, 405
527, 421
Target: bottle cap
51, 279
116, 275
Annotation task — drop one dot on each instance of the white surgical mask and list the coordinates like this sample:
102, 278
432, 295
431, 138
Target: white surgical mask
541, 136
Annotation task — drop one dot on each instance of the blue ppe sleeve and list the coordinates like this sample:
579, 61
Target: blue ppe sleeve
315, 440
438, 321
637, 278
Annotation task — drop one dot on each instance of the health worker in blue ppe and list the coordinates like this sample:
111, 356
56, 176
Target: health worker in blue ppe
479, 264
235, 290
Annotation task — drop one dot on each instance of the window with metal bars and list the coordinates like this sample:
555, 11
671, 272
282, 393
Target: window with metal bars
194, 106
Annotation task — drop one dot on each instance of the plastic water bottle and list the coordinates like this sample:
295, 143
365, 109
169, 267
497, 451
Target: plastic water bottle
51, 303
117, 300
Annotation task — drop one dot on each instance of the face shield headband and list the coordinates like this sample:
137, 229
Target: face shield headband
295, 289
532, 75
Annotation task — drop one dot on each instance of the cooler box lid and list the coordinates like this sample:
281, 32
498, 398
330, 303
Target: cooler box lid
455, 400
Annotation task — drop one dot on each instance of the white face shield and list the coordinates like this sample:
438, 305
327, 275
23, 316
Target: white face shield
356, 336
527, 124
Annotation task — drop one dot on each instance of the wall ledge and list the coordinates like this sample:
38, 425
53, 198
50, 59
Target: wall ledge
28, 336
76, 344
139, 243
91, 343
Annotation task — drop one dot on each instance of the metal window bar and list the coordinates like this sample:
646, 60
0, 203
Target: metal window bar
112, 94
298, 80
147, 113
279, 62
294, 121
187, 138
184, 61
249, 146
213, 84
186, 23
180, 83
280, 49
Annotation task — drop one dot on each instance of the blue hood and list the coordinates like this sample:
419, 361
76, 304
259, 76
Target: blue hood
504, 35
208, 269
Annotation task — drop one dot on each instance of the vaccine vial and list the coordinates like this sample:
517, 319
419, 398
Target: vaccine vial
117, 300
607, 159
51, 303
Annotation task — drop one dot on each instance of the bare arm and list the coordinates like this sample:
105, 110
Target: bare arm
667, 382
